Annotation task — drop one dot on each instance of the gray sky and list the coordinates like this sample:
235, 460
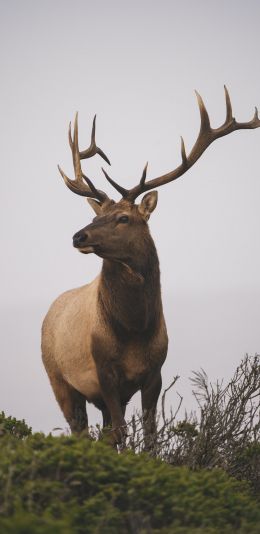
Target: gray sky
136, 64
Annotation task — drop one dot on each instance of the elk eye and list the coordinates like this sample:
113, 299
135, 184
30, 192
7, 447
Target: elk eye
123, 219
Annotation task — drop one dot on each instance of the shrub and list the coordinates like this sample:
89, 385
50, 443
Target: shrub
225, 433
68, 484
201, 476
10, 425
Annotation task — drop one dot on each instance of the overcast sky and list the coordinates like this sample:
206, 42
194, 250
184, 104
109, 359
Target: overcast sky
136, 64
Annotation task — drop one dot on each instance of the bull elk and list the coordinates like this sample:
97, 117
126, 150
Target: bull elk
104, 341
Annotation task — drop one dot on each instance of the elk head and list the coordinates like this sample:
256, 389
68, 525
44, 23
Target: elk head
119, 230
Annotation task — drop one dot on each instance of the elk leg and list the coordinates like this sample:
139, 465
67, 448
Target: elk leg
109, 382
72, 403
107, 421
108, 370
150, 394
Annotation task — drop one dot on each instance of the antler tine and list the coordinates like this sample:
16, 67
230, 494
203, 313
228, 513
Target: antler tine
70, 137
75, 150
119, 188
97, 193
125, 192
75, 187
183, 152
93, 131
93, 148
204, 117
229, 115
206, 136
143, 177
78, 186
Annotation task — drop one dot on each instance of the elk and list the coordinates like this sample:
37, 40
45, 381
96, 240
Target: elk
104, 341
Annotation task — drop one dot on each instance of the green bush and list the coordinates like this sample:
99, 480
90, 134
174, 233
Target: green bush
68, 484
10, 425
202, 474
247, 465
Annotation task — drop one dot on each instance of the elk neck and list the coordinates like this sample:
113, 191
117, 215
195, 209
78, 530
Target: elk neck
129, 292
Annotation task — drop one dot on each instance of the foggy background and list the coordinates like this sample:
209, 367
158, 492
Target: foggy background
136, 64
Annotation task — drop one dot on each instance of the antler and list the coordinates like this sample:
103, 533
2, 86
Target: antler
206, 136
78, 186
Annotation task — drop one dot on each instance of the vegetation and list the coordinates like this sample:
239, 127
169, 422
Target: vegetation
224, 433
201, 475
10, 425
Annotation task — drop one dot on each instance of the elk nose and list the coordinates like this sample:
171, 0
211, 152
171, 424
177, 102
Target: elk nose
79, 238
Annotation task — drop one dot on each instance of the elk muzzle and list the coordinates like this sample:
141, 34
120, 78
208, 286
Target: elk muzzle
81, 241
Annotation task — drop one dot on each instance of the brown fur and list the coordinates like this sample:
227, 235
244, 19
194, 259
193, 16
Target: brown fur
106, 340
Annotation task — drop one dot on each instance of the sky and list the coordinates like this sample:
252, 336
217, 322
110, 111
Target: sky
136, 64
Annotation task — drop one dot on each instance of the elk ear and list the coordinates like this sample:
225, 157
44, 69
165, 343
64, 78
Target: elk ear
148, 204
95, 205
